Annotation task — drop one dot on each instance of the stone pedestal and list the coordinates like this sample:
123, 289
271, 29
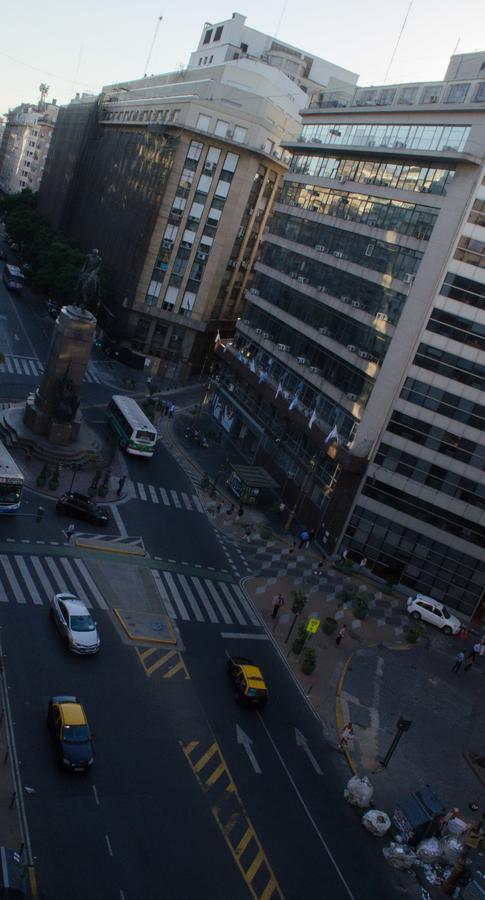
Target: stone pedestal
45, 415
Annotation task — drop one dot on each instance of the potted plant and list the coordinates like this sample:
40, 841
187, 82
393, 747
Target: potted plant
361, 606
300, 639
205, 482
42, 476
265, 532
299, 600
54, 479
329, 625
415, 633
309, 661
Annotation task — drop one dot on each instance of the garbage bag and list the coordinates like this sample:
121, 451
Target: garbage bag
429, 850
456, 826
452, 847
399, 856
359, 791
376, 822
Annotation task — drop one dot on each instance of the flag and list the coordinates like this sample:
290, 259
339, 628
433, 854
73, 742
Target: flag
332, 436
293, 403
252, 366
239, 356
217, 340
312, 418
262, 376
279, 389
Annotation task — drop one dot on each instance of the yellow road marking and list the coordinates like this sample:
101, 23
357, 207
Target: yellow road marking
144, 654
253, 868
174, 669
243, 842
33, 881
205, 758
216, 774
160, 662
268, 891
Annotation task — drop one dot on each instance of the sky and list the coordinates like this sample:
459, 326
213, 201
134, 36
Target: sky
76, 47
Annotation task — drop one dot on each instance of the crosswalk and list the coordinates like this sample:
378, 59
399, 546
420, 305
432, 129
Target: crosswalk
30, 366
33, 579
151, 493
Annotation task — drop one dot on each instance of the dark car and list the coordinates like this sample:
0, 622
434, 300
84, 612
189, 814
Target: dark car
69, 728
248, 681
79, 506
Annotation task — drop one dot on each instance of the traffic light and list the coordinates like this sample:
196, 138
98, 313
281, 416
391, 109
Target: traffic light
40, 513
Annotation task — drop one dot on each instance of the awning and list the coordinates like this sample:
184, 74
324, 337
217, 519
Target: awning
254, 476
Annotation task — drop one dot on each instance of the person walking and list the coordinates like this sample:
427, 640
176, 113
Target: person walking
247, 535
121, 484
460, 656
469, 660
363, 562
167, 408
70, 531
172, 410
278, 602
347, 737
230, 510
304, 539
240, 512
341, 635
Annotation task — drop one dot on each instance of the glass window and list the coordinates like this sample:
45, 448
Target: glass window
208, 36
457, 93
188, 237
240, 134
222, 188
230, 162
213, 155
195, 150
204, 184
171, 232
154, 289
221, 128
170, 297
203, 122
196, 211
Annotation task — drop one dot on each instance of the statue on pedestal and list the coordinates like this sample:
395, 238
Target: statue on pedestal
88, 281
66, 398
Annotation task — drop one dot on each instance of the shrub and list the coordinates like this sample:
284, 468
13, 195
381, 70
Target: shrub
309, 661
361, 605
265, 532
300, 639
205, 482
299, 600
415, 633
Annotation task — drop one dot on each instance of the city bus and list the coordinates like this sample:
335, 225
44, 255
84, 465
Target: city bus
11, 482
13, 277
135, 432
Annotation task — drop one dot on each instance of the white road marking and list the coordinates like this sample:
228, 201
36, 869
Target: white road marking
25, 366
301, 741
191, 599
96, 798
205, 600
17, 366
186, 500
232, 603
119, 521
248, 609
91, 584
42, 576
217, 600
244, 636
176, 500
153, 493
197, 503
176, 596
78, 588
28, 580
245, 741
9, 573
108, 842
59, 580
164, 496
166, 602
8, 363
141, 490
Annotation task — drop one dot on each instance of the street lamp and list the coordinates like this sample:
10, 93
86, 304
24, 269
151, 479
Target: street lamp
307, 480
76, 467
402, 725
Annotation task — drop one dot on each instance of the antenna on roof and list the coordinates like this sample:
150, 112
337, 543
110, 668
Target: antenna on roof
398, 42
283, 10
157, 26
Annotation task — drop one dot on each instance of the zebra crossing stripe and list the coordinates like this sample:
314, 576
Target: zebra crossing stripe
28, 579
36, 369
17, 366
91, 585
205, 600
164, 496
176, 499
9, 574
186, 501
74, 580
176, 596
25, 366
232, 603
59, 581
42, 576
217, 600
8, 363
153, 493
166, 602
253, 618
190, 597
197, 503
141, 490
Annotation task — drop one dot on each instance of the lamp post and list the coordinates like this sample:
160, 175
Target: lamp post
402, 725
76, 468
312, 463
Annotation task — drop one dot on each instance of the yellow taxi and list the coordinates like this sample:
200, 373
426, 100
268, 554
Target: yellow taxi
248, 681
70, 732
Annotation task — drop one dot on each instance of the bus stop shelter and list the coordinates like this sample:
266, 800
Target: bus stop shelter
247, 482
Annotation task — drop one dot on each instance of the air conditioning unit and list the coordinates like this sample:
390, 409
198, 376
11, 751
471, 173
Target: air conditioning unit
246, 321
258, 330
201, 255
433, 99
382, 316
301, 360
369, 249
351, 397
364, 355
338, 254
284, 347
186, 245
210, 167
254, 291
321, 287
408, 278
320, 248
167, 245
265, 335
323, 331
346, 299
314, 370
357, 304
177, 213
351, 348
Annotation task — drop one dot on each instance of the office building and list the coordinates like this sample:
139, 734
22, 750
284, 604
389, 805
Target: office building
357, 376
24, 145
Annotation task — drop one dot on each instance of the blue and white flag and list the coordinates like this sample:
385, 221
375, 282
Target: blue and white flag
252, 366
262, 376
332, 436
312, 418
278, 390
293, 403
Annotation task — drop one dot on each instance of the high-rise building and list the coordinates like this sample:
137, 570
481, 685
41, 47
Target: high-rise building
24, 145
357, 376
171, 177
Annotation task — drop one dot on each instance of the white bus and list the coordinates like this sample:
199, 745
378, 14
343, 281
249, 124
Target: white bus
135, 432
11, 482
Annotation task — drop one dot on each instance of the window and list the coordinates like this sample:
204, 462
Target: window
196, 211
218, 33
213, 155
187, 304
170, 298
221, 128
222, 189
154, 289
171, 232
457, 93
477, 214
208, 36
240, 134
213, 216
195, 150
204, 184
469, 251
188, 237
230, 162
203, 122
179, 203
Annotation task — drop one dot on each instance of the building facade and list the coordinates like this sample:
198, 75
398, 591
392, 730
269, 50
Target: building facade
24, 146
358, 371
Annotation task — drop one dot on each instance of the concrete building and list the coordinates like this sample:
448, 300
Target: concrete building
24, 145
172, 178
357, 376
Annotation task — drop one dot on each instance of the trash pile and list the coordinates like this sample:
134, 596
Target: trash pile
425, 839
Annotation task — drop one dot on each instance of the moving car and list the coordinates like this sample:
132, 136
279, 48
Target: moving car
79, 506
75, 623
434, 612
70, 732
248, 681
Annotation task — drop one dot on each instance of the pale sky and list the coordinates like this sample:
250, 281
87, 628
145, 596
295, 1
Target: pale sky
81, 46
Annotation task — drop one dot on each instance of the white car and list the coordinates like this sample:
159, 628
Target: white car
434, 612
75, 623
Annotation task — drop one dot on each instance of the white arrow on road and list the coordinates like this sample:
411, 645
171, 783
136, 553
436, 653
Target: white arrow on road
245, 740
301, 741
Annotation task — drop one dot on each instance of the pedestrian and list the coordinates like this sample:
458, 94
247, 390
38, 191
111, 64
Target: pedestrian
278, 602
230, 510
171, 410
281, 508
240, 512
363, 562
166, 408
149, 381
304, 539
247, 535
469, 659
344, 554
347, 737
478, 649
319, 569
218, 508
70, 531
460, 656
341, 635
121, 484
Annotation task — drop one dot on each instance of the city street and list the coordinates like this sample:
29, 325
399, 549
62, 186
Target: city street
190, 794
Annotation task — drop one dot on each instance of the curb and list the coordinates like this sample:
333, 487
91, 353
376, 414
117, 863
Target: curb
338, 712
123, 549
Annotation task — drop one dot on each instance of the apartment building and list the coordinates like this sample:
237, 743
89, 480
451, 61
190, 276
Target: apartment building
357, 376
24, 145
172, 177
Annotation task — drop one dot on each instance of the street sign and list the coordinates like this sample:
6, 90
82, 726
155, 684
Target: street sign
313, 625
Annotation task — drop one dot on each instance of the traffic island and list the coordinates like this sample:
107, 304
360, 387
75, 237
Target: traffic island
145, 627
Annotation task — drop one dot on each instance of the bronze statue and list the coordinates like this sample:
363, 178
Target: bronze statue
88, 281
66, 398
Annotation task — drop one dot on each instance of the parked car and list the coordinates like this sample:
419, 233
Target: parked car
247, 678
75, 623
434, 612
79, 506
70, 732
